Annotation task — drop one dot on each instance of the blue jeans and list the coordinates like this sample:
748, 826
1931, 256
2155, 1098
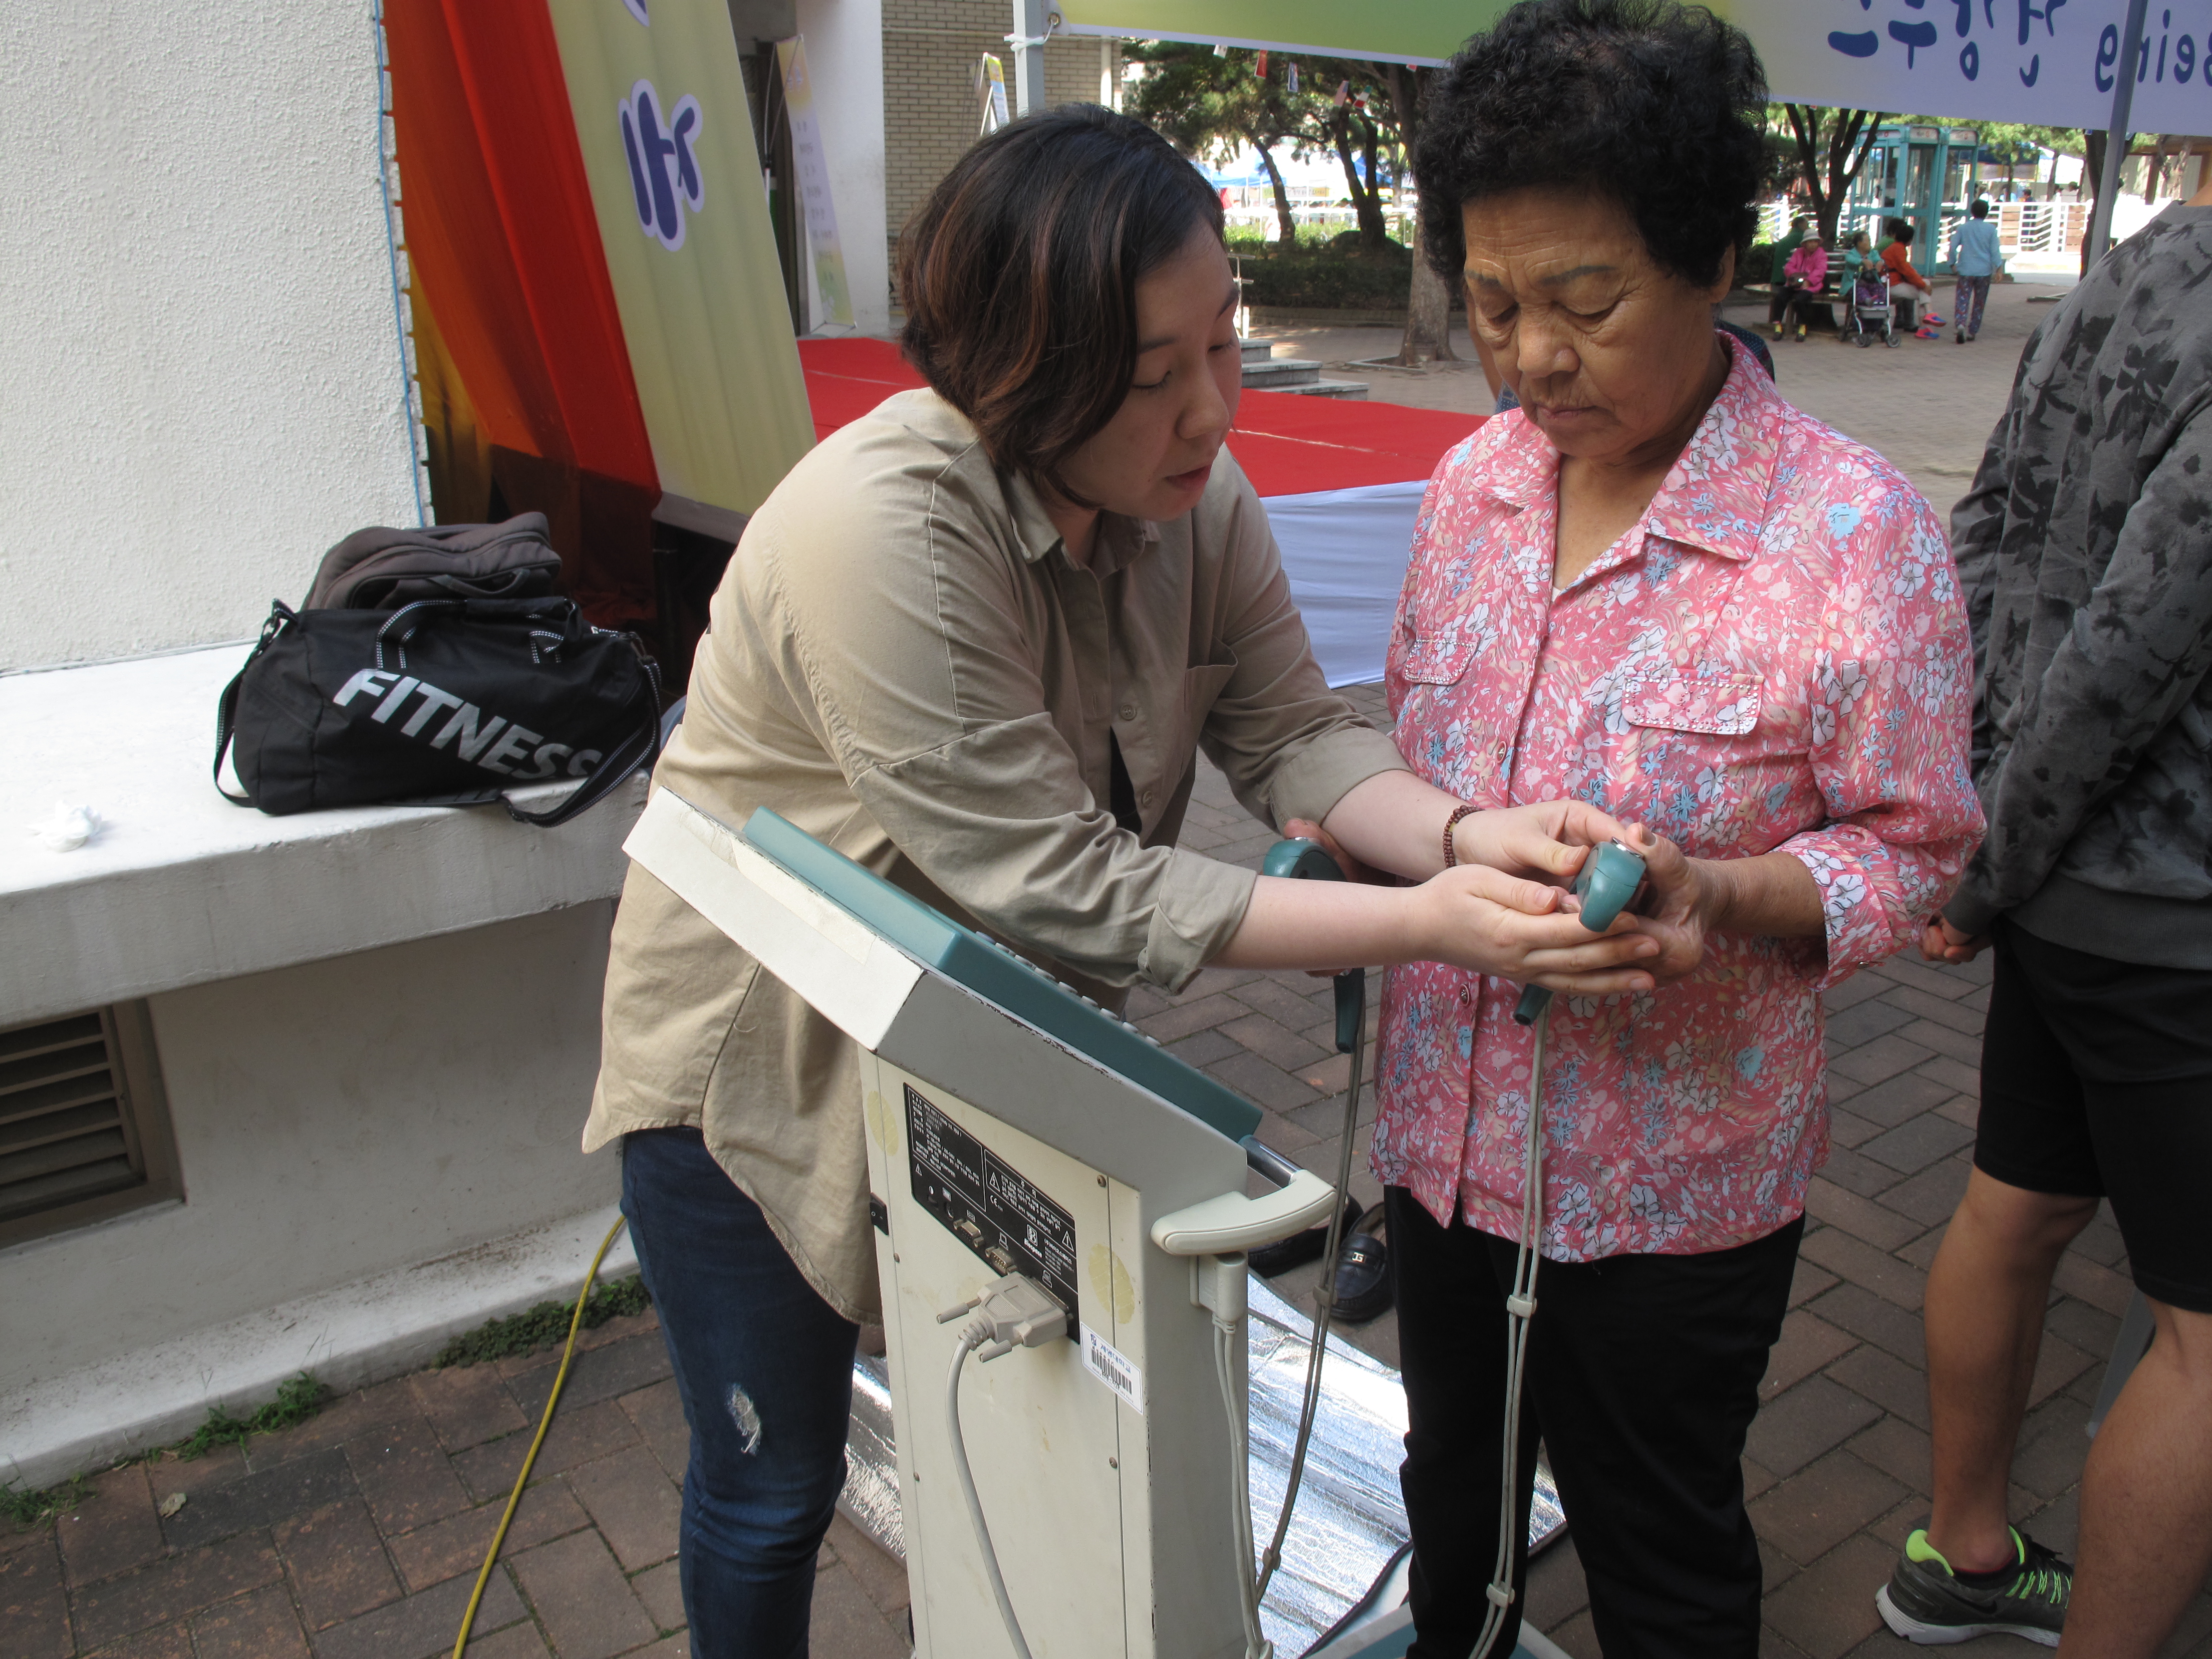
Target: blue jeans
764, 1367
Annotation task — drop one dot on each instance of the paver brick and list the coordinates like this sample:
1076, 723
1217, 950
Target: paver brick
1863, 1022
520, 1641
1850, 992
218, 1466
1202, 1048
880, 1576
1898, 1099
622, 1327
2100, 1287
336, 1563
582, 1598
1942, 1011
173, 1588
466, 1405
1862, 1176
431, 1555
604, 1374
1261, 1082
406, 1478
1964, 1047
387, 1408
1823, 1504
1287, 1003
1899, 1388
262, 1498
1898, 1450
2090, 1329
34, 1607
112, 1529
1930, 1196
1861, 1218
576, 1437
847, 1624
260, 1625
1274, 1042
1330, 1075
1797, 1426
1187, 1018
171, 1642
1555, 1589
1807, 1280
1912, 1146
657, 1413
1848, 1130
1926, 976
2058, 1363
1878, 1319
1828, 1608
661, 1592
1960, 1077
1864, 1265
1883, 1057
1806, 1343
631, 1501
423, 1626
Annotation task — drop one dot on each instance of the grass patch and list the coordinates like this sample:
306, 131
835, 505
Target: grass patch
27, 1507
543, 1326
298, 1399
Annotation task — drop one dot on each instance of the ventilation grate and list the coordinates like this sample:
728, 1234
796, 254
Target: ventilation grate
66, 1129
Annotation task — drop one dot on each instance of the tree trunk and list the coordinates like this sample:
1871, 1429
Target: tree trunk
1428, 315
1366, 210
1374, 229
1284, 224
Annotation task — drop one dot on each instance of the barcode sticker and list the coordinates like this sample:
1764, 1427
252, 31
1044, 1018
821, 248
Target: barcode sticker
1110, 1367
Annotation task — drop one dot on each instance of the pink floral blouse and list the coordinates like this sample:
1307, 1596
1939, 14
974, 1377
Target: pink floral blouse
1775, 656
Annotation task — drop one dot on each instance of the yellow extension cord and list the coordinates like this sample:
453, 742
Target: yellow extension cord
514, 1498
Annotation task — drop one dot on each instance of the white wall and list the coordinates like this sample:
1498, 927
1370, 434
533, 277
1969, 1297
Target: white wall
203, 383
845, 51
334, 1120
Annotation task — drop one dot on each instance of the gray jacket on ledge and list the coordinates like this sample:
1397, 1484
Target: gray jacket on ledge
2085, 549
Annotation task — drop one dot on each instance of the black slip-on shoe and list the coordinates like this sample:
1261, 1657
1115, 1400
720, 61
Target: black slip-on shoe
1271, 1260
1363, 1273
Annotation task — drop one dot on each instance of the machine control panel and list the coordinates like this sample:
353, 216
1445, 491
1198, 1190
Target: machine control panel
988, 1205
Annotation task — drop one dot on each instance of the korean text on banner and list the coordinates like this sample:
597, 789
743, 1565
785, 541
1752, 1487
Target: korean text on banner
668, 147
2041, 61
813, 165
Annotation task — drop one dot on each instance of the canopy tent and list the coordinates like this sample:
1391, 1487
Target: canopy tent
1341, 483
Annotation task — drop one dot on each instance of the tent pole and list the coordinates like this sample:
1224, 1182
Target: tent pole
2117, 137
1030, 28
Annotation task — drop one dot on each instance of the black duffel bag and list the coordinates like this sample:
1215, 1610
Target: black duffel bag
441, 702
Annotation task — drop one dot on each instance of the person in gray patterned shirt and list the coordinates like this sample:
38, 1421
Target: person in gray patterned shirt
2085, 547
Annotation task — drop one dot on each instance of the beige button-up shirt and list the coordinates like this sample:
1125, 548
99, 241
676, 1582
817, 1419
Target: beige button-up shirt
903, 661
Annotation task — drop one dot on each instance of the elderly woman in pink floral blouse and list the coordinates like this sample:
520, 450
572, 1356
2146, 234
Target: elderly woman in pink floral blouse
1658, 588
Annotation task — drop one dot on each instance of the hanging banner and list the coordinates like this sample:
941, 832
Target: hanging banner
658, 100
2049, 62
813, 165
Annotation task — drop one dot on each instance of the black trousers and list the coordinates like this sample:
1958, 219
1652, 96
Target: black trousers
1642, 1382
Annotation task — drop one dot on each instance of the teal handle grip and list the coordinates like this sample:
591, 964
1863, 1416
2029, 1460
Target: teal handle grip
1609, 878
1309, 861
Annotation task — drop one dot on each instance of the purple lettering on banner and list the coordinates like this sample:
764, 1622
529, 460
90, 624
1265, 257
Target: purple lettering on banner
2034, 68
1970, 61
664, 168
1856, 45
1966, 17
2108, 53
2184, 59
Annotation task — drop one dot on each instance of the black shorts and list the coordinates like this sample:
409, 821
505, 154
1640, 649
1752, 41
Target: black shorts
2097, 1082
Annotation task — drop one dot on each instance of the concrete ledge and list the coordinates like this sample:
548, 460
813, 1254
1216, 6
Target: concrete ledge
182, 887
349, 1337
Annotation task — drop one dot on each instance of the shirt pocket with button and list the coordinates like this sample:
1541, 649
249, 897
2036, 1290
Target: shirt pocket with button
1715, 771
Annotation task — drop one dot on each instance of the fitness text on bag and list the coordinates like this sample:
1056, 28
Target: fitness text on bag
496, 744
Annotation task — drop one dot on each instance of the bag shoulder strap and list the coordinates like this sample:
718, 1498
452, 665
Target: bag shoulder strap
639, 749
225, 707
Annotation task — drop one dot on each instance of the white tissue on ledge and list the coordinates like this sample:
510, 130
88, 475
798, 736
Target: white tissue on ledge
68, 828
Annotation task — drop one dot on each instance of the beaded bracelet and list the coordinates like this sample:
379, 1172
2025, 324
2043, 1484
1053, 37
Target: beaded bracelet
1451, 851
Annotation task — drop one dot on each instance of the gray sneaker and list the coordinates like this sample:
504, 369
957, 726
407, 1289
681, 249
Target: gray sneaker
1925, 1603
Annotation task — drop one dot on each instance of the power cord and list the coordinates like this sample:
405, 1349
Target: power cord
514, 1498
1012, 1312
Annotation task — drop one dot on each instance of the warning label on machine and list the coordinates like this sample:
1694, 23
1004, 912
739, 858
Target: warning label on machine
988, 1205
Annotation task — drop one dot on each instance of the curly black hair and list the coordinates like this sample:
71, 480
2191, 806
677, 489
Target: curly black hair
1654, 103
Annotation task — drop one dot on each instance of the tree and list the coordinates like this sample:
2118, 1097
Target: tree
1211, 108
1832, 145
1428, 307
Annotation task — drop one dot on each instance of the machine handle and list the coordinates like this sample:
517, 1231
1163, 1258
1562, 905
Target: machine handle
1611, 876
1231, 1221
1309, 861
1266, 1161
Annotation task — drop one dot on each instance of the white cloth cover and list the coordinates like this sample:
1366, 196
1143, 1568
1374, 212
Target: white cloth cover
1344, 552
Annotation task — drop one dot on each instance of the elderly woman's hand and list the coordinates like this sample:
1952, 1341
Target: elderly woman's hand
1687, 899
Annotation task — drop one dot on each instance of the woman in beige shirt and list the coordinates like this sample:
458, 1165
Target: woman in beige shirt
973, 641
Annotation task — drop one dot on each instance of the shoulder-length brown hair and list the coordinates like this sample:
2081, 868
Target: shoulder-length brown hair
1019, 277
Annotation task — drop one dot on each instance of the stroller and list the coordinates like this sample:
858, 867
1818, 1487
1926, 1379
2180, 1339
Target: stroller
1870, 313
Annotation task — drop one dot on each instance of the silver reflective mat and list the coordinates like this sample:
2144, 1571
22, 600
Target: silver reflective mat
1349, 1519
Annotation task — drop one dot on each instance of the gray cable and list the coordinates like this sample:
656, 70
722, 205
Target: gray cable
971, 1338
1324, 1314
1225, 1337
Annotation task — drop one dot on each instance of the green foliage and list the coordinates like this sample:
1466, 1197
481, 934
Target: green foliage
27, 1507
1328, 276
297, 1400
543, 1326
